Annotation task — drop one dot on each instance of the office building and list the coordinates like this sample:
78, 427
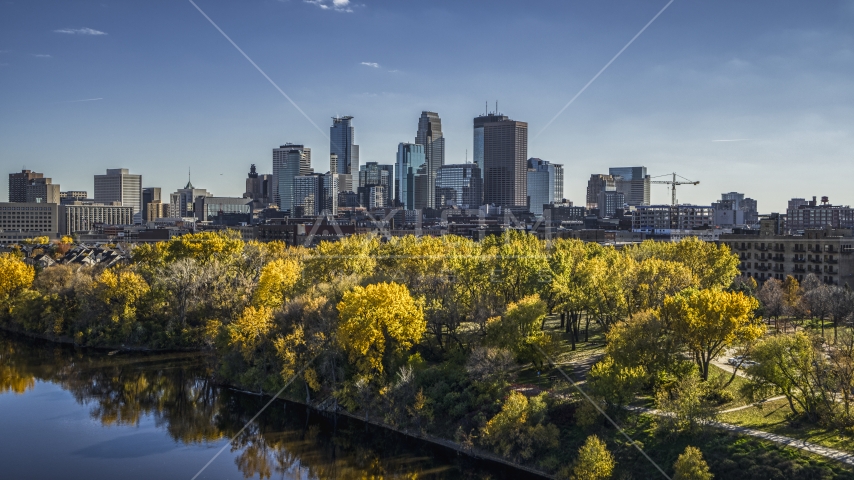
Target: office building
289, 161
479, 122
599, 183
342, 144
422, 190
259, 187
333, 186
810, 215
73, 196
181, 203
42, 190
663, 218
18, 183
371, 175
308, 195
545, 184
733, 209
505, 160
23, 220
633, 183
154, 210
230, 211
430, 135
459, 186
119, 185
608, 203
828, 253
150, 195
410, 157
83, 216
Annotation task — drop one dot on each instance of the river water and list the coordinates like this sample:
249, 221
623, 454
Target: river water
69, 413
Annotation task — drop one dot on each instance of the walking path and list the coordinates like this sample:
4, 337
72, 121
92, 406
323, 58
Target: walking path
745, 407
831, 453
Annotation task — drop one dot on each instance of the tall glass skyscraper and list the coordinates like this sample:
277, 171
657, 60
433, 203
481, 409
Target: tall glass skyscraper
479, 122
545, 184
459, 186
289, 161
505, 163
430, 135
342, 143
633, 183
410, 157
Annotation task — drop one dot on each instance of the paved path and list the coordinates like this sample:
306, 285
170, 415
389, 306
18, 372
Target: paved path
745, 407
831, 453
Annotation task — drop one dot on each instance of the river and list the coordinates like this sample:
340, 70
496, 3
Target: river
74, 413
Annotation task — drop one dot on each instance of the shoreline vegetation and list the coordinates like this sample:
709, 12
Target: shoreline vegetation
454, 339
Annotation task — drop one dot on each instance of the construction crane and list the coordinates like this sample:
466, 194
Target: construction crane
673, 184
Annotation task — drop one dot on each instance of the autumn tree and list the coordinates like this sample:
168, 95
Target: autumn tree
376, 321
711, 320
520, 329
15, 277
121, 290
646, 341
594, 461
571, 282
691, 466
276, 283
520, 429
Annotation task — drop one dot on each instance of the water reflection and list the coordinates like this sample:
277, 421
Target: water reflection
176, 390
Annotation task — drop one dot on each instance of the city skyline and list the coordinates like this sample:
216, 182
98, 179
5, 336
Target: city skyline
735, 98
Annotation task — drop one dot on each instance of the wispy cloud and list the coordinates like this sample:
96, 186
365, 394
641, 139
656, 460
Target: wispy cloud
371, 64
84, 100
734, 140
336, 5
80, 31
42, 55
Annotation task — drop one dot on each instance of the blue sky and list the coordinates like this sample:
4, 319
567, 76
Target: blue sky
159, 90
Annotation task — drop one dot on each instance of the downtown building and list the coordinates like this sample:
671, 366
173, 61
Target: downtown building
802, 215
119, 185
259, 187
85, 216
410, 157
289, 161
22, 220
505, 163
662, 219
459, 186
181, 203
376, 185
545, 184
597, 184
342, 144
430, 136
733, 210
827, 253
633, 183
18, 183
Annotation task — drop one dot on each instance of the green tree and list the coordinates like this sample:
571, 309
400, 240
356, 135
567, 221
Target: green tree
691, 466
594, 461
520, 329
614, 383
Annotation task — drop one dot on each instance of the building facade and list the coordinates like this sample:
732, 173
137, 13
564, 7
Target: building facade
83, 216
21, 220
119, 185
663, 218
733, 209
259, 187
308, 194
342, 144
459, 186
231, 211
410, 157
181, 203
155, 210
505, 159
150, 195
633, 183
545, 184
597, 184
827, 253
430, 135
371, 175
805, 215
609, 202
289, 160
479, 123
18, 183
42, 190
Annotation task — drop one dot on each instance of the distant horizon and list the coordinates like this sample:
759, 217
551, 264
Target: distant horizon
755, 98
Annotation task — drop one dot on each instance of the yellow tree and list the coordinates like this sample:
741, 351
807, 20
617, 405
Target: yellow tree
204, 247
691, 466
611, 276
350, 256
594, 461
571, 283
277, 282
520, 329
15, 277
656, 279
520, 264
713, 265
711, 320
121, 290
377, 320
249, 330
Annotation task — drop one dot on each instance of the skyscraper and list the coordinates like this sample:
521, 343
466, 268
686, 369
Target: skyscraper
43, 190
372, 175
545, 184
289, 161
182, 202
505, 161
119, 185
633, 183
259, 187
459, 186
18, 184
430, 135
149, 195
308, 194
479, 122
410, 157
598, 183
342, 143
